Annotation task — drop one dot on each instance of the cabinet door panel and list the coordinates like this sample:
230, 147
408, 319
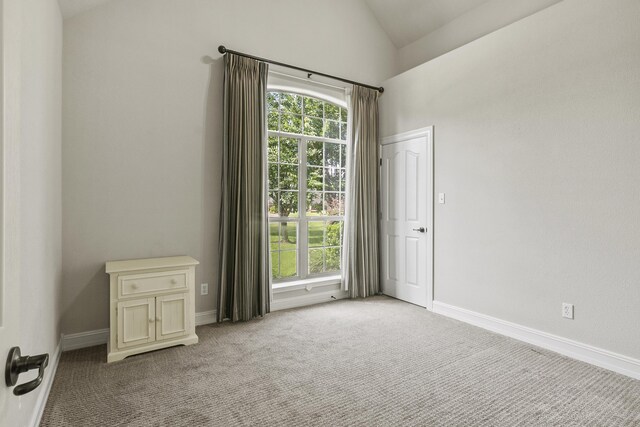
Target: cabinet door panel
171, 316
136, 322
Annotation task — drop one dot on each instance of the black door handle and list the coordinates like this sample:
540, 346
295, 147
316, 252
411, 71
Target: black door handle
421, 229
17, 364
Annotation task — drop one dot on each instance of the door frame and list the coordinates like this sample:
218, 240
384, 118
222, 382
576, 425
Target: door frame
427, 134
11, 412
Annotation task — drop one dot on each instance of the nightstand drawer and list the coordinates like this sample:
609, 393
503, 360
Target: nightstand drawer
136, 284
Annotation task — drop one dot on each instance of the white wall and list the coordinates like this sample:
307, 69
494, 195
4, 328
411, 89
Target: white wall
142, 123
475, 23
536, 147
40, 188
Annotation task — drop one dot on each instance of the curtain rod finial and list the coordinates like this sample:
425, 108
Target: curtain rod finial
381, 89
222, 49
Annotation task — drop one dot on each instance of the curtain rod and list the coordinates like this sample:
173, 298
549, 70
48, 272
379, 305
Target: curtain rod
224, 50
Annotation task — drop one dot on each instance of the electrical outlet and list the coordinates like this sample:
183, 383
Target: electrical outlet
204, 289
567, 310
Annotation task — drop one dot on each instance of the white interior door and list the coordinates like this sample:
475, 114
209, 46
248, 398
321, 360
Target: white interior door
406, 223
10, 21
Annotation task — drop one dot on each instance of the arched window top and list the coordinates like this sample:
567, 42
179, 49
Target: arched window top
300, 114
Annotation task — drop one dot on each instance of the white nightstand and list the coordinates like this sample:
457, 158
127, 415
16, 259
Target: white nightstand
152, 305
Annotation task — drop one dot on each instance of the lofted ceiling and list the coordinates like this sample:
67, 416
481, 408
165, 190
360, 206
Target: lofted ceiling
406, 21
441, 24
437, 23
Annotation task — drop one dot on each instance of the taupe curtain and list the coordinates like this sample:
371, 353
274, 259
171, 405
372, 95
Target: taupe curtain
244, 265
361, 271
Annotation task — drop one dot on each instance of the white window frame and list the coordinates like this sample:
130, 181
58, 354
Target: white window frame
302, 260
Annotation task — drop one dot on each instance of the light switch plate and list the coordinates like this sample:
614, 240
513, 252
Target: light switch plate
204, 289
441, 198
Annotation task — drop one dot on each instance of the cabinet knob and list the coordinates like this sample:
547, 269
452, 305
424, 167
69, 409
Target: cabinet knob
158, 319
150, 320
174, 281
134, 286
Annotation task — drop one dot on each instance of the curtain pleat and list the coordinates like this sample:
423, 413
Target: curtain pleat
361, 267
244, 291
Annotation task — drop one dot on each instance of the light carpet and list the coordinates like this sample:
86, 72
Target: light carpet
374, 362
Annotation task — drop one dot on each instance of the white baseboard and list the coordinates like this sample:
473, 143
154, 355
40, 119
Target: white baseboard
45, 387
304, 300
206, 317
101, 336
84, 339
586, 353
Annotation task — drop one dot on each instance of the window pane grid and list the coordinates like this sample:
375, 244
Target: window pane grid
325, 238
310, 132
283, 242
298, 114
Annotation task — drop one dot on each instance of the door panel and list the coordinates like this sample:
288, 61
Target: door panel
406, 204
171, 311
412, 211
411, 260
391, 259
136, 322
395, 164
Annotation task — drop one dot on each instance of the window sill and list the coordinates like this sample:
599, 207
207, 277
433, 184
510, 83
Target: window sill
303, 284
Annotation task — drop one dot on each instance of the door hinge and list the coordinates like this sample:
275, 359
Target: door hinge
380, 162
